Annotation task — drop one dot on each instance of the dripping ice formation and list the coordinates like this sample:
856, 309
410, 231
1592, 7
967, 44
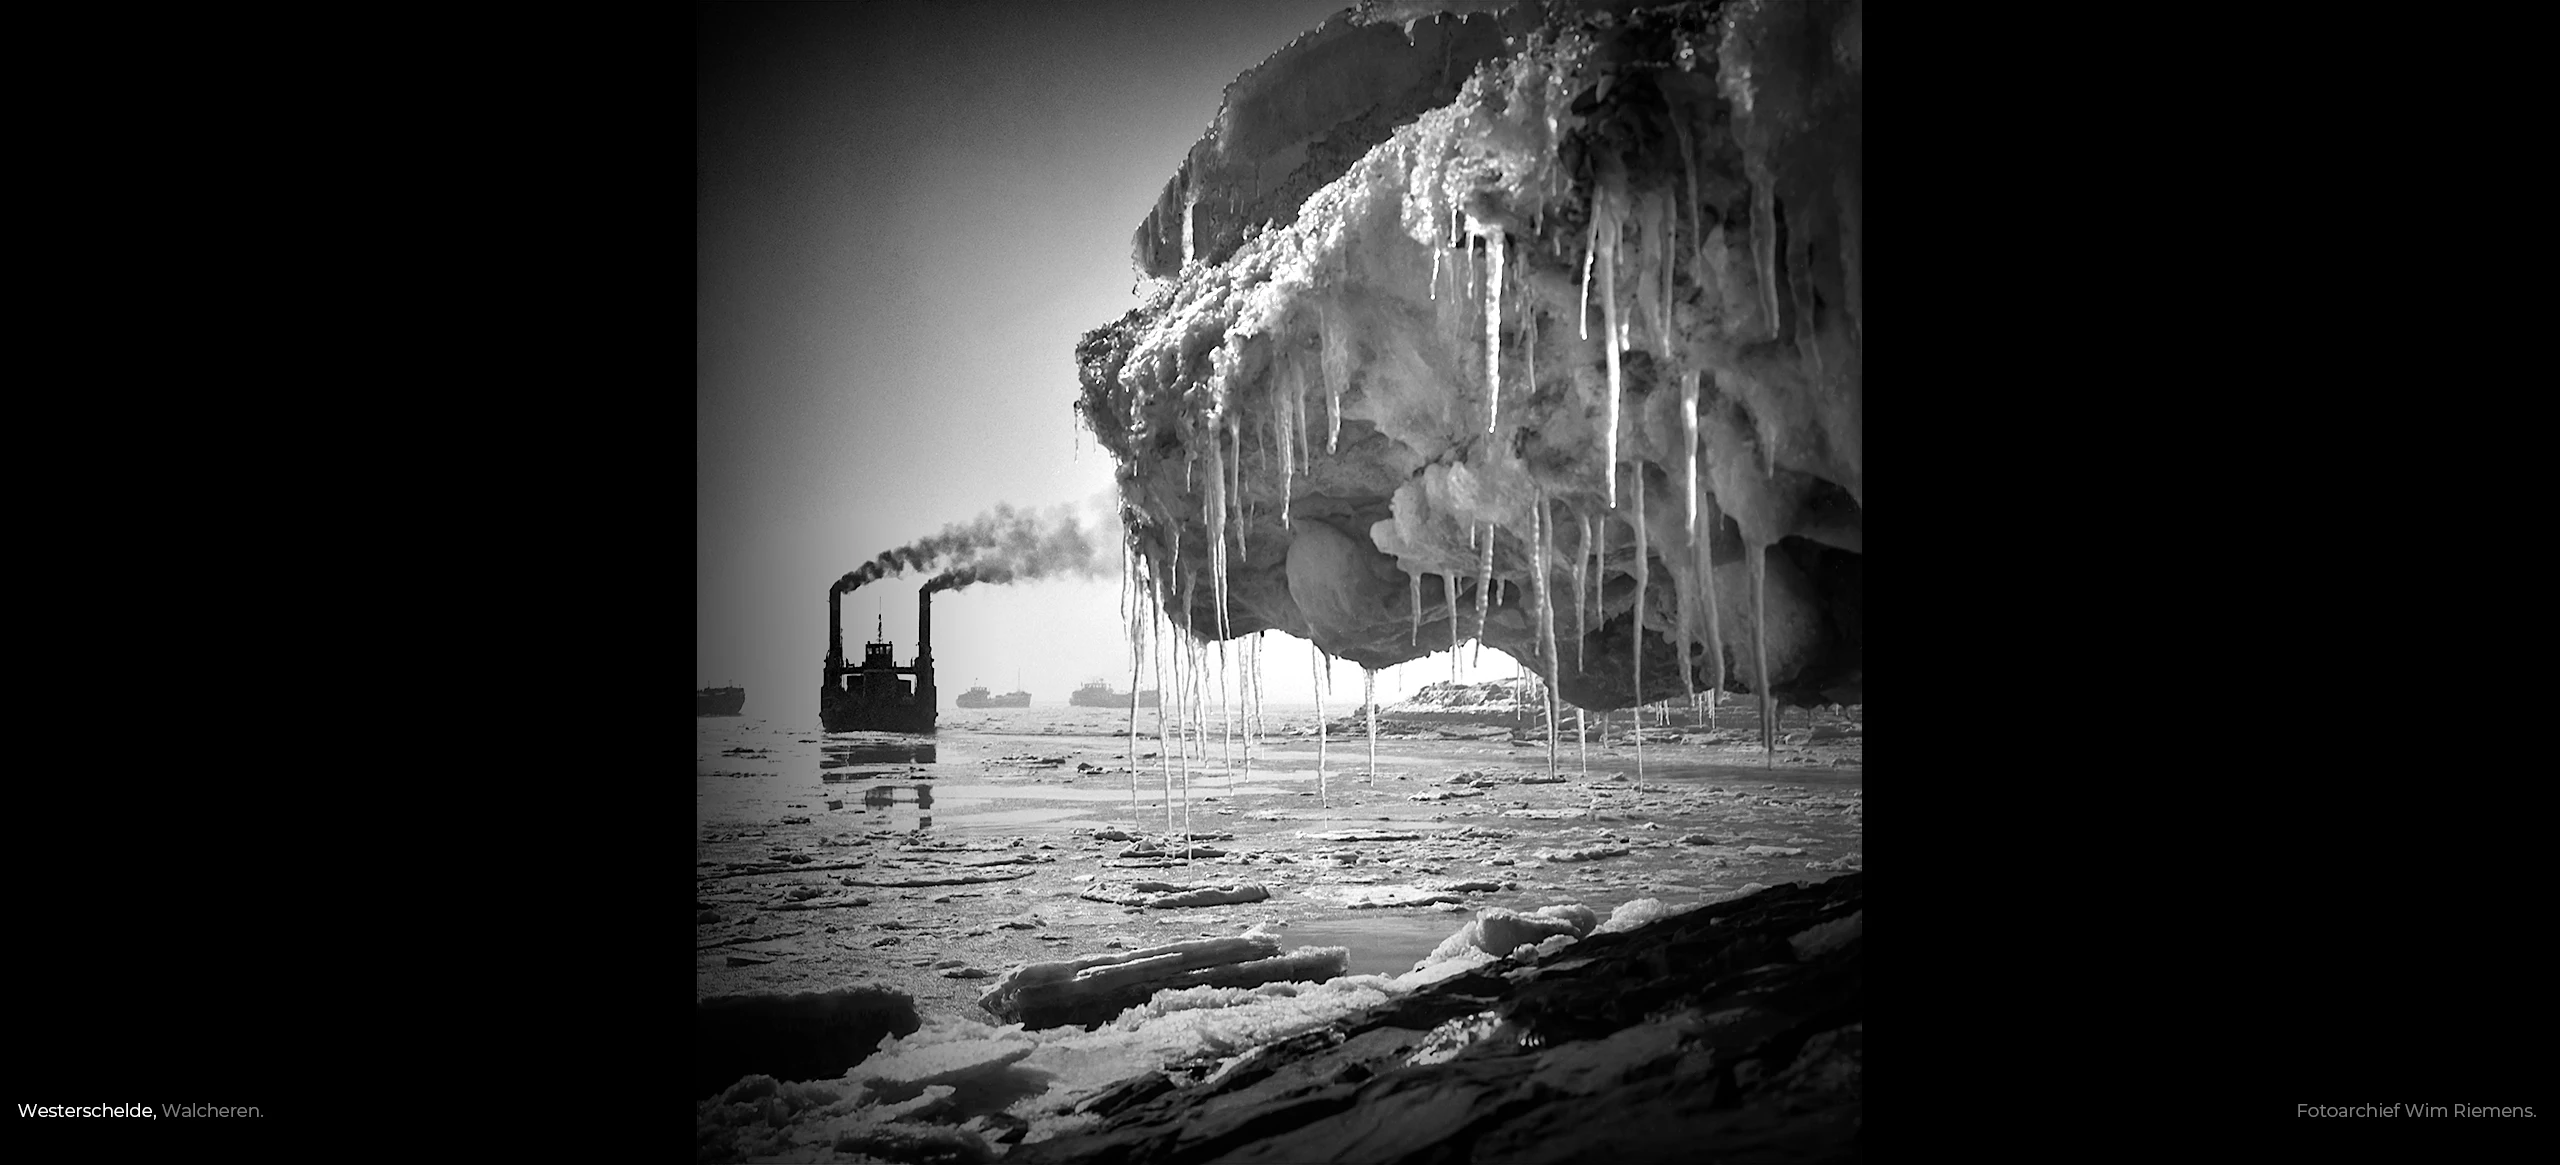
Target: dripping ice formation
1687, 174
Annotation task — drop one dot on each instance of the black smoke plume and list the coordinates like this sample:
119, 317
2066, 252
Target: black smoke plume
1001, 545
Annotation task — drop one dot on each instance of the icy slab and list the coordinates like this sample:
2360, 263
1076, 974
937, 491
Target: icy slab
1445, 794
1169, 895
938, 1054
1375, 897
954, 879
1429, 972
1497, 931
1590, 853
1095, 988
1630, 915
1360, 835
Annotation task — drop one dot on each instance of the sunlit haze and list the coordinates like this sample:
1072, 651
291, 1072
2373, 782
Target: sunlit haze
906, 216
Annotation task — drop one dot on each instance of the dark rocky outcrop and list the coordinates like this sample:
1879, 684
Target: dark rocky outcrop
1651, 218
1734, 1031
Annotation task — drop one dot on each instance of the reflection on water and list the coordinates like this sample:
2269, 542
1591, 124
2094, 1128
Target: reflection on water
874, 748
883, 796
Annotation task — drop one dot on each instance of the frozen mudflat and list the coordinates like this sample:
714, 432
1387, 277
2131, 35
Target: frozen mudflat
826, 863
1024, 811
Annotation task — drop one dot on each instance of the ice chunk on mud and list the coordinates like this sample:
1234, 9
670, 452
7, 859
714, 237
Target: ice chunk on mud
1359, 835
1589, 853
1375, 897
1169, 895
1097, 988
1641, 911
943, 1052
1497, 931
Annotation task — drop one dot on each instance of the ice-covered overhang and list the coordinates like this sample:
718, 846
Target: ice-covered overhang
1540, 324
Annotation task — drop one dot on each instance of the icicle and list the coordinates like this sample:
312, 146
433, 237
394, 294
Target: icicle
1484, 587
1528, 334
1248, 668
1546, 618
1764, 247
1643, 570
1607, 223
1306, 441
1581, 575
1760, 646
1369, 698
1226, 723
1137, 654
1582, 743
1493, 328
1668, 229
1436, 248
1315, 664
1600, 568
1186, 653
1466, 240
1284, 415
1335, 357
1413, 591
1213, 516
1235, 495
1590, 248
1594, 786
1689, 470
1715, 618
1164, 731
1449, 590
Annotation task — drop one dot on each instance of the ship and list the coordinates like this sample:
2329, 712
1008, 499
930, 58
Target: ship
878, 696
1098, 694
978, 698
719, 701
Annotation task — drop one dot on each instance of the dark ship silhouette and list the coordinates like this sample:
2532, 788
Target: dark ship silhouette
719, 701
878, 696
978, 698
1098, 694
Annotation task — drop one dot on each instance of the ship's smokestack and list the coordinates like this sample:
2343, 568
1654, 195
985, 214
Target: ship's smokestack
835, 628
924, 626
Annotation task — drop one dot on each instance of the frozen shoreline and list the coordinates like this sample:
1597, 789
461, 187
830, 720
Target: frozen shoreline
782, 903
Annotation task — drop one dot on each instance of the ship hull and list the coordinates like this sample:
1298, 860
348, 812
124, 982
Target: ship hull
1088, 699
1008, 700
854, 712
719, 701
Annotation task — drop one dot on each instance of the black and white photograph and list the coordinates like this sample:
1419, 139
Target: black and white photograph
1279, 582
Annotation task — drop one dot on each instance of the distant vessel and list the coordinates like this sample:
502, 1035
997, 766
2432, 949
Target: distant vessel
978, 698
878, 696
719, 701
1098, 694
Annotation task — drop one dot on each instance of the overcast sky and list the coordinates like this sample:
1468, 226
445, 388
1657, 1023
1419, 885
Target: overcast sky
906, 215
